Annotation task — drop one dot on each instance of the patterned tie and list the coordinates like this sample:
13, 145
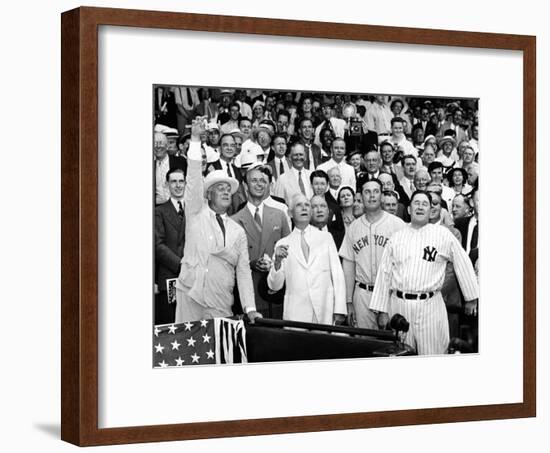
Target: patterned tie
180, 209
281, 168
257, 217
305, 247
301, 183
222, 226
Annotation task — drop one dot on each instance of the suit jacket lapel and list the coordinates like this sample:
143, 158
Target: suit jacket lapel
247, 222
172, 215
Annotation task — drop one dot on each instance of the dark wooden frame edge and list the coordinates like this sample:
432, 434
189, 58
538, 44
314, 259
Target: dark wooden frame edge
79, 203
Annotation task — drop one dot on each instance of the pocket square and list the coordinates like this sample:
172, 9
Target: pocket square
275, 228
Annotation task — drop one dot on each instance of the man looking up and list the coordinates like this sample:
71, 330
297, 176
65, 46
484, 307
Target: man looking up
216, 249
361, 251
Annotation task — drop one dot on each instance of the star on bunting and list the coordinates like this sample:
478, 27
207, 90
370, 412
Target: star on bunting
179, 361
159, 348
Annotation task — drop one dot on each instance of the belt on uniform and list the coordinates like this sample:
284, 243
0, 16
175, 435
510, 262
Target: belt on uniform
364, 286
415, 296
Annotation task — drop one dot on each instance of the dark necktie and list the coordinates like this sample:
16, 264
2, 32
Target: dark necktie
306, 161
301, 183
189, 97
180, 209
229, 170
281, 168
222, 226
257, 218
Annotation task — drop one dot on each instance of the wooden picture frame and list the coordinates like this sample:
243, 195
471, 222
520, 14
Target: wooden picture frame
79, 339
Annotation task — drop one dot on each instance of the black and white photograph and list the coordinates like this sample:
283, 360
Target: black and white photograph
313, 225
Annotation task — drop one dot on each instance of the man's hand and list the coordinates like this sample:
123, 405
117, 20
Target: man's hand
281, 252
352, 321
471, 308
253, 315
382, 320
198, 128
338, 319
261, 265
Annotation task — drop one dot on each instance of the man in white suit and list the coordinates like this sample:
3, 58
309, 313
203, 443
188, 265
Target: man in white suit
307, 261
296, 180
216, 249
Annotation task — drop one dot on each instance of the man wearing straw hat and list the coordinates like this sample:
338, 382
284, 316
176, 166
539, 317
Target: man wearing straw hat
216, 250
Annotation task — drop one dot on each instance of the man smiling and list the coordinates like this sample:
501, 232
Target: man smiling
411, 275
216, 249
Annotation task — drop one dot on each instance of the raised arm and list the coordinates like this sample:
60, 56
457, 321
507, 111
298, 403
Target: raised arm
194, 188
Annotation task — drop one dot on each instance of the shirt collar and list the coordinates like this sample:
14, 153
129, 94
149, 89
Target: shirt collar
175, 202
252, 209
307, 230
224, 216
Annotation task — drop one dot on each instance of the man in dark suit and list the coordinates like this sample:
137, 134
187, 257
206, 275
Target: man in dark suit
169, 242
264, 226
320, 216
424, 123
468, 228
225, 163
279, 163
306, 132
319, 183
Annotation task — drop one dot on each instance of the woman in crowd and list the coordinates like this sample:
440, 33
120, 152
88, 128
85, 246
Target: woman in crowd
457, 178
346, 197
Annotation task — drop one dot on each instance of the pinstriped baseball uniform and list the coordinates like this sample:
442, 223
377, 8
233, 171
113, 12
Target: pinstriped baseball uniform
364, 244
414, 261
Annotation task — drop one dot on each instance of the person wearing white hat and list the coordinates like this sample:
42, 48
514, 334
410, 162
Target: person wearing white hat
164, 162
216, 249
448, 155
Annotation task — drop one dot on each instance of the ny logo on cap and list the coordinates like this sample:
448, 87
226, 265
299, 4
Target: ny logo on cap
429, 254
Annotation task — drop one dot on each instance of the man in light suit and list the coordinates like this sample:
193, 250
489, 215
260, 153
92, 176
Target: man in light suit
307, 261
216, 250
296, 180
264, 226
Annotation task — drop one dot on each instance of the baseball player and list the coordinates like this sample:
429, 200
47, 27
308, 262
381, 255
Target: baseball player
411, 275
361, 251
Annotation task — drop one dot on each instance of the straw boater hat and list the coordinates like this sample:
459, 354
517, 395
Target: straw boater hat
447, 138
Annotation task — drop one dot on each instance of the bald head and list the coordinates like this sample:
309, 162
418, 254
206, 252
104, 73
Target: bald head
160, 145
387, 181
319, 211
421, 179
